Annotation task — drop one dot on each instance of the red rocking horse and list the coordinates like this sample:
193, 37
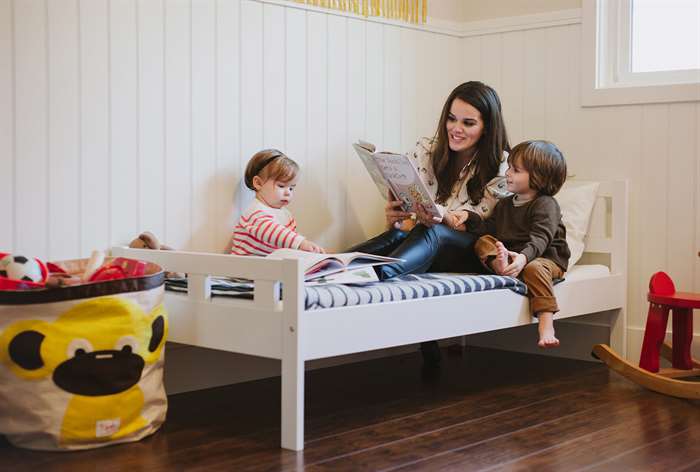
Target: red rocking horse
662, 299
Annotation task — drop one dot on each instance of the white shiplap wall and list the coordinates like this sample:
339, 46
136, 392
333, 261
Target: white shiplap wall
123, 115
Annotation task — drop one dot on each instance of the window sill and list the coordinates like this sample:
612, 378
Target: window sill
596, 97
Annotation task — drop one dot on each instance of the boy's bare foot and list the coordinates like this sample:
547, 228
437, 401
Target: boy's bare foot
500, 262
546, 330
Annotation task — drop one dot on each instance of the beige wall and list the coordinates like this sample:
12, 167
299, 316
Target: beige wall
479, 10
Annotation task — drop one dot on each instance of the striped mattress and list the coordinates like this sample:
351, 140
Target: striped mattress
405, 287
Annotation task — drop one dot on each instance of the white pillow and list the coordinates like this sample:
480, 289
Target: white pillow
576, 200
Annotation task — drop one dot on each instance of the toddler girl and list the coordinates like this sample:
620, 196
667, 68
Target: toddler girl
266, 224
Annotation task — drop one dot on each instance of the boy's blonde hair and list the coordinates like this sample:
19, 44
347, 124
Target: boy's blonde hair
544, 162
270, 164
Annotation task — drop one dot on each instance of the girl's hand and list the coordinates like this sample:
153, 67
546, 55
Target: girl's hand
309, 246
426, 218
519, 261
393, 212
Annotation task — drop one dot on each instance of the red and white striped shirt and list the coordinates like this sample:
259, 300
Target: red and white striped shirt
262, 229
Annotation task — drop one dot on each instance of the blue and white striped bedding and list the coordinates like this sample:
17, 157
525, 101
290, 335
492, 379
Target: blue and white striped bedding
405, 287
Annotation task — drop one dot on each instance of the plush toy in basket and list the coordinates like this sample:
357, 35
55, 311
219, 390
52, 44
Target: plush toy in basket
81, 364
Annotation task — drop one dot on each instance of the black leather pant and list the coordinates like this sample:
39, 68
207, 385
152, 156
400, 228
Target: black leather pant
435, 249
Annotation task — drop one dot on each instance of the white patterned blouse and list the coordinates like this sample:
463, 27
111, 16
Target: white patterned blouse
459, 199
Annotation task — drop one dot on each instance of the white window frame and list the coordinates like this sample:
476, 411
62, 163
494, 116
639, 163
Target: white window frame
606, 77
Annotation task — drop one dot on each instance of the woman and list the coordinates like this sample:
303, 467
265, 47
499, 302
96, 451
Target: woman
463, 167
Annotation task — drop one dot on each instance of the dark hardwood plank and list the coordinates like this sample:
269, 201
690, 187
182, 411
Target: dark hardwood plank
483, 409
677, 452
570, 442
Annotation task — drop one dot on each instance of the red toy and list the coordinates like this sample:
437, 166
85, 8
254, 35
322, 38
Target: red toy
119, 268
663, 298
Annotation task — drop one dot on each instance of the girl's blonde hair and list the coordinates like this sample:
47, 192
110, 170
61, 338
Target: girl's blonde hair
544, 162
270, 164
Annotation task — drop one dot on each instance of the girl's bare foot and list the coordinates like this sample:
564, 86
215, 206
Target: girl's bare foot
500, 262
546, 330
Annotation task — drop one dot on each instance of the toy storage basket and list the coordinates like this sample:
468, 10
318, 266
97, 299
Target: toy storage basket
82, 366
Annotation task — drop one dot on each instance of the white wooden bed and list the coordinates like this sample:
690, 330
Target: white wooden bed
283, 330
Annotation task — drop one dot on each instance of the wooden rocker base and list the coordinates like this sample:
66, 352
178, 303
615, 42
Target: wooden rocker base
664, 382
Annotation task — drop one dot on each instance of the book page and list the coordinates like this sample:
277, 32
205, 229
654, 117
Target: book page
406, 183
362, 149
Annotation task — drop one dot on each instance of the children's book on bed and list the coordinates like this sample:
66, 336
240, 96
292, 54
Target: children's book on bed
330, 266
396, 173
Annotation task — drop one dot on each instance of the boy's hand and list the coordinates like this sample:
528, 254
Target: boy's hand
519, 261
308, 246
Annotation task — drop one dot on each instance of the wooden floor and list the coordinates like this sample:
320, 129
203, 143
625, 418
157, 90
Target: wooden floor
483, 410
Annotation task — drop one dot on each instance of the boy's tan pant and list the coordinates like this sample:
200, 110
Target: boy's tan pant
537, 275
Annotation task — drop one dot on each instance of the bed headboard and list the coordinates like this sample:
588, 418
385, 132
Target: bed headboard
607, 233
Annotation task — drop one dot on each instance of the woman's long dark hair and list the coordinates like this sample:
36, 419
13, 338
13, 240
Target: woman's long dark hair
490, 147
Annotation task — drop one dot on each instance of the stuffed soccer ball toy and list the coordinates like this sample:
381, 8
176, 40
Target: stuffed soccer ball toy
16, 267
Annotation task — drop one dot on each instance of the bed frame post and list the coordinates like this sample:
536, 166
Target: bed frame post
292, 356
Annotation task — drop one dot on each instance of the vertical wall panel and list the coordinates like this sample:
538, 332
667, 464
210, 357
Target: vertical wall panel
654, 159
339, 150
296, 102
151, 105
31, 133
511, 90
313, 189
251, 78
203, 124
374, 50
359, 203
392, 109
471, 58
124, 196
409, 89
491, 55
274, 36
7, 127
228, 124
178, 114
557, 86
533, 77
94, 125
64, 130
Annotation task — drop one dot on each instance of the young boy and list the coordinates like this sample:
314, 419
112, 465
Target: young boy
525, 235
266, 225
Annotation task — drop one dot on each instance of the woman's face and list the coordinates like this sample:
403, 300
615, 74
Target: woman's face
464, 126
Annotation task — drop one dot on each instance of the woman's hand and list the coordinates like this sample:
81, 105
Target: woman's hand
519, 261
309, 246
393, 212
426, 218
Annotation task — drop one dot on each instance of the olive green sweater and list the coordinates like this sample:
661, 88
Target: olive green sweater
534, 229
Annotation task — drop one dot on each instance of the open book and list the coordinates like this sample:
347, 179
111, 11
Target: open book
317, 266
396, 173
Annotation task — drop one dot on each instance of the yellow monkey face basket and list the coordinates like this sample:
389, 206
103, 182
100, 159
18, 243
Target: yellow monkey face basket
82, 366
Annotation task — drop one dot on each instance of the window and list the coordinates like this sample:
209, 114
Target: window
641, 51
